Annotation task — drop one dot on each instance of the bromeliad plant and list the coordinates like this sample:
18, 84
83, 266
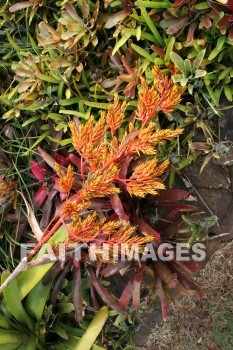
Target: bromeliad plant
103, 189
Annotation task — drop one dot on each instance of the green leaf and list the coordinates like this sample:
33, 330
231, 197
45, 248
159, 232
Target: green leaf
60, 331
12, 298
152, 27
31, 120
54, 116
75, 113
183, 81
93, 330
142, 52
200, 73
15, 46
188, 67
120, 43
62, 143
220, 42
138, 33
178, 61
153, 4
11, 337
70, 101
64, 308
34, 107
227, 92
202, 6
38, 296
28, 279
169, 48
212, 95
198, 60
177, 78
47, 78
224, 73
99, 105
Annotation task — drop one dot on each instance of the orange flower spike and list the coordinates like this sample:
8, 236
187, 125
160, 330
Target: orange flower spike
76, 134
66, 181
110, 226
72, 209
101, 154
87, 229
116, 114
144, 143
148, 99
162, 135
100, 183
89, 133
144, 178
172, 100
126, 234
98, 130
161, 168
173, 69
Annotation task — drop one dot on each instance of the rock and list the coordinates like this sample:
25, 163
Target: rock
226, 122
149, 319
218, 200
212, 176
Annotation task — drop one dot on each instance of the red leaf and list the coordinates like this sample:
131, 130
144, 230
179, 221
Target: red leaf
75, 160
37, 170
110, 270
167, 15
112, 217
126, 295
178, 3
52, 273
117, 206
225, 21
124, 167
104, 294
174, 213
94, 301
63, 196
191, 31
60, 159
188, 283
172, 195
145, 227
39, 198
47, 210
165, 275
177, 206
161, 294
99, 204
77, 294
20, 6
230, 5
206, 22
56, 184
137, 286
59, 281
178, 24
190, 267
230, 34
158, 50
